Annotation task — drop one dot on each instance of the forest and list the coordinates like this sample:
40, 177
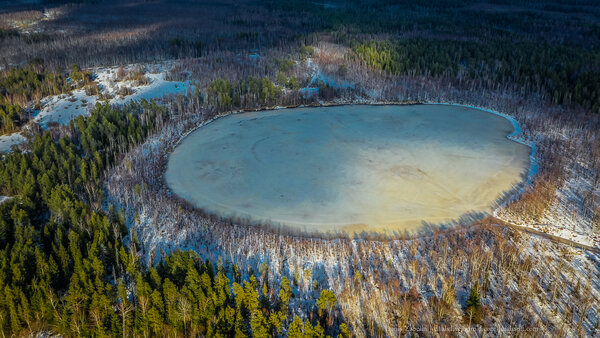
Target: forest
226, 95
69, 265
22, 88
92, 243
566, 75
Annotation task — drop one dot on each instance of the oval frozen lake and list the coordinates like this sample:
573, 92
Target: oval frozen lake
350, 168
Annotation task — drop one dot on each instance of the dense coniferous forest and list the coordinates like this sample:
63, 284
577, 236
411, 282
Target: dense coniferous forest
565, 75
69, 265
226, 95
10, 116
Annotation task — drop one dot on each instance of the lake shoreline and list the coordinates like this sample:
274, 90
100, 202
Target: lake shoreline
332, 104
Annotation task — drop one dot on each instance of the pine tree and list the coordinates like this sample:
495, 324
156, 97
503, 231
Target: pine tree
473, 309
326, 302
295, 329
474, 299
285, 294
344, 331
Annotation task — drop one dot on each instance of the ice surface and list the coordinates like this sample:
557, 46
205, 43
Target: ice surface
350, 168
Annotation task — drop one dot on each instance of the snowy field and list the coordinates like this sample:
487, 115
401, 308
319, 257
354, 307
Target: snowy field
61, 109
350, 168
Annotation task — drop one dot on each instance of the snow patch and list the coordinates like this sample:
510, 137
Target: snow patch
7, 141
61, 109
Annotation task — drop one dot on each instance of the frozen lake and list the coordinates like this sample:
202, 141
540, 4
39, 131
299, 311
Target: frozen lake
350, 168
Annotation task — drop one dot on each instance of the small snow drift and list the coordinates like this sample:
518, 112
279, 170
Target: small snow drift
7, 141
350, 168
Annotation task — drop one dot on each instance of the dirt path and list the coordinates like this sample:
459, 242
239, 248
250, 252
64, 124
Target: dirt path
549, 236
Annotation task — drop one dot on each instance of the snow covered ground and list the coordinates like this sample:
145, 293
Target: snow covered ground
523, 279
317, 76
562, 219
535, 277
61, 109
7, 141
157, 88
